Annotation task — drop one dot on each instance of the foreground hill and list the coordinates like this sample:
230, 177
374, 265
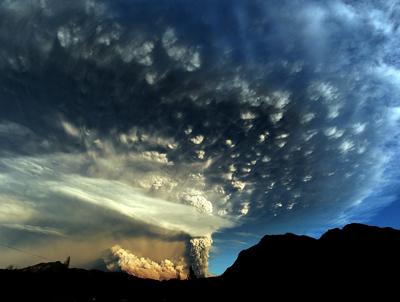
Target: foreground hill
355, 261
354, 250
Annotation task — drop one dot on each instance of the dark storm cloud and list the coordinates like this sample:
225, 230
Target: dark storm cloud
195, 117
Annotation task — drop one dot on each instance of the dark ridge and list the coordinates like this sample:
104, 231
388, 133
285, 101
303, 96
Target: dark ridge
50, 267
357, 261
354, 249
361, 232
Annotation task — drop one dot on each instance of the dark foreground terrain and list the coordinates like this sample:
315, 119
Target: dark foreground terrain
356, 262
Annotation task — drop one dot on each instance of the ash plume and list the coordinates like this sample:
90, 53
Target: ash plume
121, 259
199, 249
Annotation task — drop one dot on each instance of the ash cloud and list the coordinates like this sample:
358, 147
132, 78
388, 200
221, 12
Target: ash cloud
123, 260
198, 253
193, 119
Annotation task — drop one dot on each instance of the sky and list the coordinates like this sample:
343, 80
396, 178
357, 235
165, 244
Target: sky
173, 134
388, 217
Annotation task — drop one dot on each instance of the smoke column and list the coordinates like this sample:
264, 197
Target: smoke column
199, 249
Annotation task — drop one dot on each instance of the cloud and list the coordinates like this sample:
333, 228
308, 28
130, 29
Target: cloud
187, 56
45, 176
14, 210
197, 140
197, 200
121, 259
135, 204
10, 128
70, 129
34, 229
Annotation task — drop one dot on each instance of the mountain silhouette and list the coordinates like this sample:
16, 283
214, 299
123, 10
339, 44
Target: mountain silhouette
356, 249
357, 261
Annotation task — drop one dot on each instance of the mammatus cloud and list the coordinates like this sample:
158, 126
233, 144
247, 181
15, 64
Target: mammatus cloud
223, 115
